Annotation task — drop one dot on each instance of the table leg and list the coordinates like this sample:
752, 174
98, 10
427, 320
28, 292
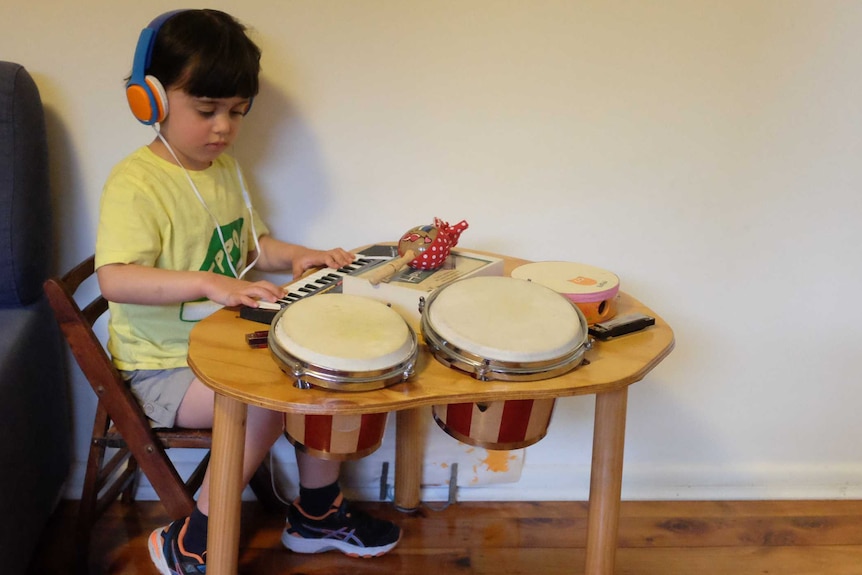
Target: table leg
228, 446
606, 481
408, 458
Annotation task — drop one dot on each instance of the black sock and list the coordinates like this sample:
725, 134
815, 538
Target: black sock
317, 501
195, 540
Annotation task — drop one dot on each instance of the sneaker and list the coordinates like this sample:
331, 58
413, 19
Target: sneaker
354, 533
168, 554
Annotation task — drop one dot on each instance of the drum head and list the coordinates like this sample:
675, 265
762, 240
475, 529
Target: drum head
344, 339
343, 332
518, 329
505, 319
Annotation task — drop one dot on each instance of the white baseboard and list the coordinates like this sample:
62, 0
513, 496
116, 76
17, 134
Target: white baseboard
541, 482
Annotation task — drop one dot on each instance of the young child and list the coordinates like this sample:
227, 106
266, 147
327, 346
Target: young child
176, 235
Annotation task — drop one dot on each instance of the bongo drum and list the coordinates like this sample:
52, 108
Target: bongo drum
503, 328
343, 342
335, 437
500, 328
592, 289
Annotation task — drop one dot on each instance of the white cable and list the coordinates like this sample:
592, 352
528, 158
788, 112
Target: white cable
247, 200
272, 480
200, 198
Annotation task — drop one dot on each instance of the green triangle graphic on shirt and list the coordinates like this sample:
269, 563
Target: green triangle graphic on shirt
215, 258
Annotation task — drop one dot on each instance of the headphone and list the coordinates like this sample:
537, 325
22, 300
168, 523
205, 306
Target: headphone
146, 95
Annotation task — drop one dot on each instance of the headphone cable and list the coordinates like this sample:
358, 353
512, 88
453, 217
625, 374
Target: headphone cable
200, 198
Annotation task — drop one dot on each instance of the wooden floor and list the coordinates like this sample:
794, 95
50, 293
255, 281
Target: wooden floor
547, 538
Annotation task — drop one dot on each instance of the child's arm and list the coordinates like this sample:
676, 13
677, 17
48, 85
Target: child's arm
279, 256
137, 284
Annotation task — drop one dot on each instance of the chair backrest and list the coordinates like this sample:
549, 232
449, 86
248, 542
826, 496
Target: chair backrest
125, 412
77, 324
77, 327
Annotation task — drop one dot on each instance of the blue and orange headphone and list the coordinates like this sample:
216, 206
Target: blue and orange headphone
145, 93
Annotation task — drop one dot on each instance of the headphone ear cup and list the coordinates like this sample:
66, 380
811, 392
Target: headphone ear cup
160, 98
148, 101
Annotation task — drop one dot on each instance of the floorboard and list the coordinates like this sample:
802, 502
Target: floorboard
513, 538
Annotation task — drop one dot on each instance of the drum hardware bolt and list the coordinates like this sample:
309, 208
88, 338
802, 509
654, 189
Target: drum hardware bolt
384, 481
421, 304
453, 489
453, 485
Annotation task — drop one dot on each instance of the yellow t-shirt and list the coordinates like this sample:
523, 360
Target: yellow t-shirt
150, 215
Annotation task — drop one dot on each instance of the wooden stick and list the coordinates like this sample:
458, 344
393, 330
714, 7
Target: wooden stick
390, 268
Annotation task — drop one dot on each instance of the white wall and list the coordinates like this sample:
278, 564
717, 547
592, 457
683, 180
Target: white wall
705, 151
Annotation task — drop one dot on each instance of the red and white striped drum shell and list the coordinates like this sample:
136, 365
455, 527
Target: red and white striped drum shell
335, 437
501, 425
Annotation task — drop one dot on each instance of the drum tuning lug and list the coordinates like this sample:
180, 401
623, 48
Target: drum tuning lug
300, 383
421, 304
482, 371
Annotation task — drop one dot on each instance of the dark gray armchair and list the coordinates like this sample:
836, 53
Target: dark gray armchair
35, 433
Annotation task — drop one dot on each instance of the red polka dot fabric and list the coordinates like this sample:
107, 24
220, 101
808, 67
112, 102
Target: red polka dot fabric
435, 253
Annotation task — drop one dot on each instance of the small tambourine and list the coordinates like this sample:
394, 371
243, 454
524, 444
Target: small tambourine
422, 248
592, 289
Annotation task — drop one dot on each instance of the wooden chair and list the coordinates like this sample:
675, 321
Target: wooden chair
120, 424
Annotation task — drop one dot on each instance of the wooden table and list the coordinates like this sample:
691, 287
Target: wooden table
243, 376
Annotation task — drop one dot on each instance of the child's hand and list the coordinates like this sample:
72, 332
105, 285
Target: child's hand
230, 291
308, 258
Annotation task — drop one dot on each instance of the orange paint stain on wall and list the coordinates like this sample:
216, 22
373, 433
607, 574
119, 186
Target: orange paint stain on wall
498, 461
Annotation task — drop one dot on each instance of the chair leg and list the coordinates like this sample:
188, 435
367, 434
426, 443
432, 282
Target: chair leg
131, 489
90, 493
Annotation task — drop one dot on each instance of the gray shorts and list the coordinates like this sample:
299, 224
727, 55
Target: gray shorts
160, 392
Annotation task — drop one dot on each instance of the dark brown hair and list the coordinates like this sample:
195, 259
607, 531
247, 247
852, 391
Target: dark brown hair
206, 53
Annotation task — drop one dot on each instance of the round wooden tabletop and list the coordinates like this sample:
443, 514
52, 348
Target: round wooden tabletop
221, 358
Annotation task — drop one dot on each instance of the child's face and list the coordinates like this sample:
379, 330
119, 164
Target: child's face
200, 129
